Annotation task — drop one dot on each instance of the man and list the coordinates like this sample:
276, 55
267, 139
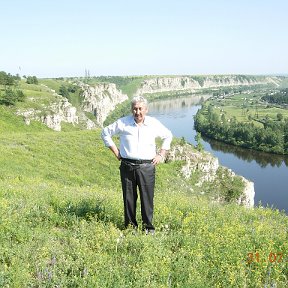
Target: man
137, 152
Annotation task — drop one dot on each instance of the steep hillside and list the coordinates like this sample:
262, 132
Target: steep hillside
10, 122
77, 103
194, 83
61, 214
45, 103
61, 223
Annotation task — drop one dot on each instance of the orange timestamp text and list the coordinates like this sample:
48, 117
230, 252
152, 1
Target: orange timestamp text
272, 257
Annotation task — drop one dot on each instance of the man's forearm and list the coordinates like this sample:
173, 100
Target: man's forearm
115, 151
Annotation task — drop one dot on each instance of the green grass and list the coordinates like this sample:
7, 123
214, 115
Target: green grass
55, 84
61, 224
128, 85
37, 96
61, 217
241, 106
39, 99
131, 87
9, 122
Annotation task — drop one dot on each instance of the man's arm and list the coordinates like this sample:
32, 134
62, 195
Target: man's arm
106, 136
159, 157
166, 136
115, 151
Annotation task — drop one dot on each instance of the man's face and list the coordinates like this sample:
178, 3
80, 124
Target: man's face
139, 111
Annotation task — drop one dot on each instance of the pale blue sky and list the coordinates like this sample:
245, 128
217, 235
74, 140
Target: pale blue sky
53, 38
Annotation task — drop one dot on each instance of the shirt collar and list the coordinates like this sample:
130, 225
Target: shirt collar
146, 120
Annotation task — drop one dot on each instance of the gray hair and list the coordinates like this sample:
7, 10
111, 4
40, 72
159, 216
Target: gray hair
140, 99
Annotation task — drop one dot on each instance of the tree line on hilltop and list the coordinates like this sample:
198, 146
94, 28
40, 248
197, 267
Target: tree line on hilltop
10, 93
272, 137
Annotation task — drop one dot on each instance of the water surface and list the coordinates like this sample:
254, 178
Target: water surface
269, 172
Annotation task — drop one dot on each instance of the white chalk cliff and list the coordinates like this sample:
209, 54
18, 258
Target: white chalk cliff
194, 83
208, 167
101, 99
53, 114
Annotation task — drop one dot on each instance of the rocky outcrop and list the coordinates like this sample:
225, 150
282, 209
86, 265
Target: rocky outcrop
247, 198
194, 160
194, 83
208, 166
62, 111
52, 115
101, 99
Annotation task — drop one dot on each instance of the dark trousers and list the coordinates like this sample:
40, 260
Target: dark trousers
143, 177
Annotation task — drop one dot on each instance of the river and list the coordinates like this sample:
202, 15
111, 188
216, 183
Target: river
269, 172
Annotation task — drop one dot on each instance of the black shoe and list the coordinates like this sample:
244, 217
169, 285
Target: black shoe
150, 232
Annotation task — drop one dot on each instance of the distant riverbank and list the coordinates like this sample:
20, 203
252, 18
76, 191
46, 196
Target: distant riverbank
246, 120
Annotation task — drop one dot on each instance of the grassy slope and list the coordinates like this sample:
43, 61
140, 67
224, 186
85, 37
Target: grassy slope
39, 97
128, 85
55, 84
9, 122
61, 223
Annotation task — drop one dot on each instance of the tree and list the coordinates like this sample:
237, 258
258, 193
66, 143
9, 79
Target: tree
198, 140
20, 96
286, 136
64, 91
32, 80
6, 79
10, 97
279, 116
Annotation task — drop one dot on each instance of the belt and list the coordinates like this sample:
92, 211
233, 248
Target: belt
134, 161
